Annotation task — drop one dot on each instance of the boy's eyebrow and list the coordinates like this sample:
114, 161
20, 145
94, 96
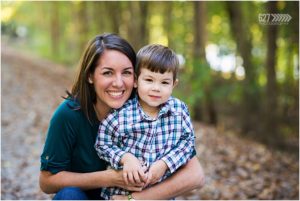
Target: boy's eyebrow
148, 76
154, 77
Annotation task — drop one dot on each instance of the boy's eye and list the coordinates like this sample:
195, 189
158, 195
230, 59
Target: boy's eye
148, 80
165, 83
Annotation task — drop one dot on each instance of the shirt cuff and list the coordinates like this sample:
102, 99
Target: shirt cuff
116, 158
51, 166
170, 163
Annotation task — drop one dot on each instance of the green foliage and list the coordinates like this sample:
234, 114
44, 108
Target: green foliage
59, 30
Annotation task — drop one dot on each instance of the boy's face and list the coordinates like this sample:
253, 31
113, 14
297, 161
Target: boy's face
154, 88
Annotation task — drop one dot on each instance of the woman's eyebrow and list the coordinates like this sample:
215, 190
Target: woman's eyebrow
129, 68
106, 68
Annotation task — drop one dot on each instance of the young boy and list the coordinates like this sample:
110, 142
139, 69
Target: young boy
151, 136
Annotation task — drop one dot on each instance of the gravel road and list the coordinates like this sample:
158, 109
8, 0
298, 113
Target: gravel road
235, 168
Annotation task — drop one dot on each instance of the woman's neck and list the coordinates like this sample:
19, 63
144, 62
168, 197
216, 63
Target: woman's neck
101, 110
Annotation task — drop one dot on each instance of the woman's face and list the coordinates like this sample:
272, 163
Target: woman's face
113, 79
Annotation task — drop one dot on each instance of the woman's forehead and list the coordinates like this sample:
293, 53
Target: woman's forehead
114, 59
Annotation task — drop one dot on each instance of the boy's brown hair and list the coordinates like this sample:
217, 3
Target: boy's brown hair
157, 58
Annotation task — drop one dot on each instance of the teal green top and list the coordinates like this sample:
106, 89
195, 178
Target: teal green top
70, 142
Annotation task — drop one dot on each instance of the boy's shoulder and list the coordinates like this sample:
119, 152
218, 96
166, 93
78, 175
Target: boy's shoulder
177, 105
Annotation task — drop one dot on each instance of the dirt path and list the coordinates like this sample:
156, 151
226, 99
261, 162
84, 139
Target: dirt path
30, 92
31, 88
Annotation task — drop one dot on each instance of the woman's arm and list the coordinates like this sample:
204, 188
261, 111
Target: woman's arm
187, 178
52, 183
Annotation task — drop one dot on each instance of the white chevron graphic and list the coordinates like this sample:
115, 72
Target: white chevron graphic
281, 17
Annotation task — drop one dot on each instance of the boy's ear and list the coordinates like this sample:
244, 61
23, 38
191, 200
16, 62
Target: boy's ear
135, 84
135, 81
175, 83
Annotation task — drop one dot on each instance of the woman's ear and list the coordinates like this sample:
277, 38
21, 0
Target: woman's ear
90, 79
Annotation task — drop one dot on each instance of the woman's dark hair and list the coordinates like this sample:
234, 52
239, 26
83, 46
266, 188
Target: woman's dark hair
82, 90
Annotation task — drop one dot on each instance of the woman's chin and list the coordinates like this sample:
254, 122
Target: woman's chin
116, 105
117, 102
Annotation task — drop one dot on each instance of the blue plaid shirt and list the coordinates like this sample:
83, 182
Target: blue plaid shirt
169, 137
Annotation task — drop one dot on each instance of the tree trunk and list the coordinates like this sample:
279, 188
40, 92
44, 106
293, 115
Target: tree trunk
83, 25
114, 13
200, 30
271, 86
204, 109
168, 9
99, 13
250, 100
137, 31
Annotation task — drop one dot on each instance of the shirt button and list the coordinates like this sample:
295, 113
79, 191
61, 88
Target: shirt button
47, 157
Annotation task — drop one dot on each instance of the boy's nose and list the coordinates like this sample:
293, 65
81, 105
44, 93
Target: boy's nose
155, 87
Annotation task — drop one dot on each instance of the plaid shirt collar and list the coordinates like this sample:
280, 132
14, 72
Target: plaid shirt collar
166, 108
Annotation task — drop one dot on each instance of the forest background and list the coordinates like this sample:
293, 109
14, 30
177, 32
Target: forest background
237, 72
239, 65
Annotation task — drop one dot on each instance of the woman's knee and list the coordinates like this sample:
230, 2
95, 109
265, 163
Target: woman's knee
70, 193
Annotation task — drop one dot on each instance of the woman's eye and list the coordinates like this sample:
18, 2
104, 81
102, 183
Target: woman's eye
127, 73
107, 73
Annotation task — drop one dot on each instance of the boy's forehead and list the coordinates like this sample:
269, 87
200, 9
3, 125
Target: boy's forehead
167, 74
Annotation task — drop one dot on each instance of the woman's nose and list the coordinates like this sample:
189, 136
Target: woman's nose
118, 81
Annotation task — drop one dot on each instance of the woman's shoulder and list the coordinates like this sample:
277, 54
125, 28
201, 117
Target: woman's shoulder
67, 110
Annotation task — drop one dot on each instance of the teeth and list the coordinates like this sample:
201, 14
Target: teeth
115, 93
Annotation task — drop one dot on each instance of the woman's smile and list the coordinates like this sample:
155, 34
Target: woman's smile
116, 94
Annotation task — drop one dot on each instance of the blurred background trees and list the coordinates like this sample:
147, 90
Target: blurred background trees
236, 73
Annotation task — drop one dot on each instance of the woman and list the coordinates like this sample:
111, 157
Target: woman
70, 166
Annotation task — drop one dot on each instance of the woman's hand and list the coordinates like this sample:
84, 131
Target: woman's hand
133, 172
156, 171
186, 178
118, 181
119, 197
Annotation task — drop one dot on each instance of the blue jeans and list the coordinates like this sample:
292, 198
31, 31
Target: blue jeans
70, 193
75, 193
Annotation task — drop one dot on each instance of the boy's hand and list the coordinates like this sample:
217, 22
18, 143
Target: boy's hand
156, 171
133, 172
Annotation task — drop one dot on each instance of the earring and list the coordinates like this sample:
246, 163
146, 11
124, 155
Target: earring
90, 80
